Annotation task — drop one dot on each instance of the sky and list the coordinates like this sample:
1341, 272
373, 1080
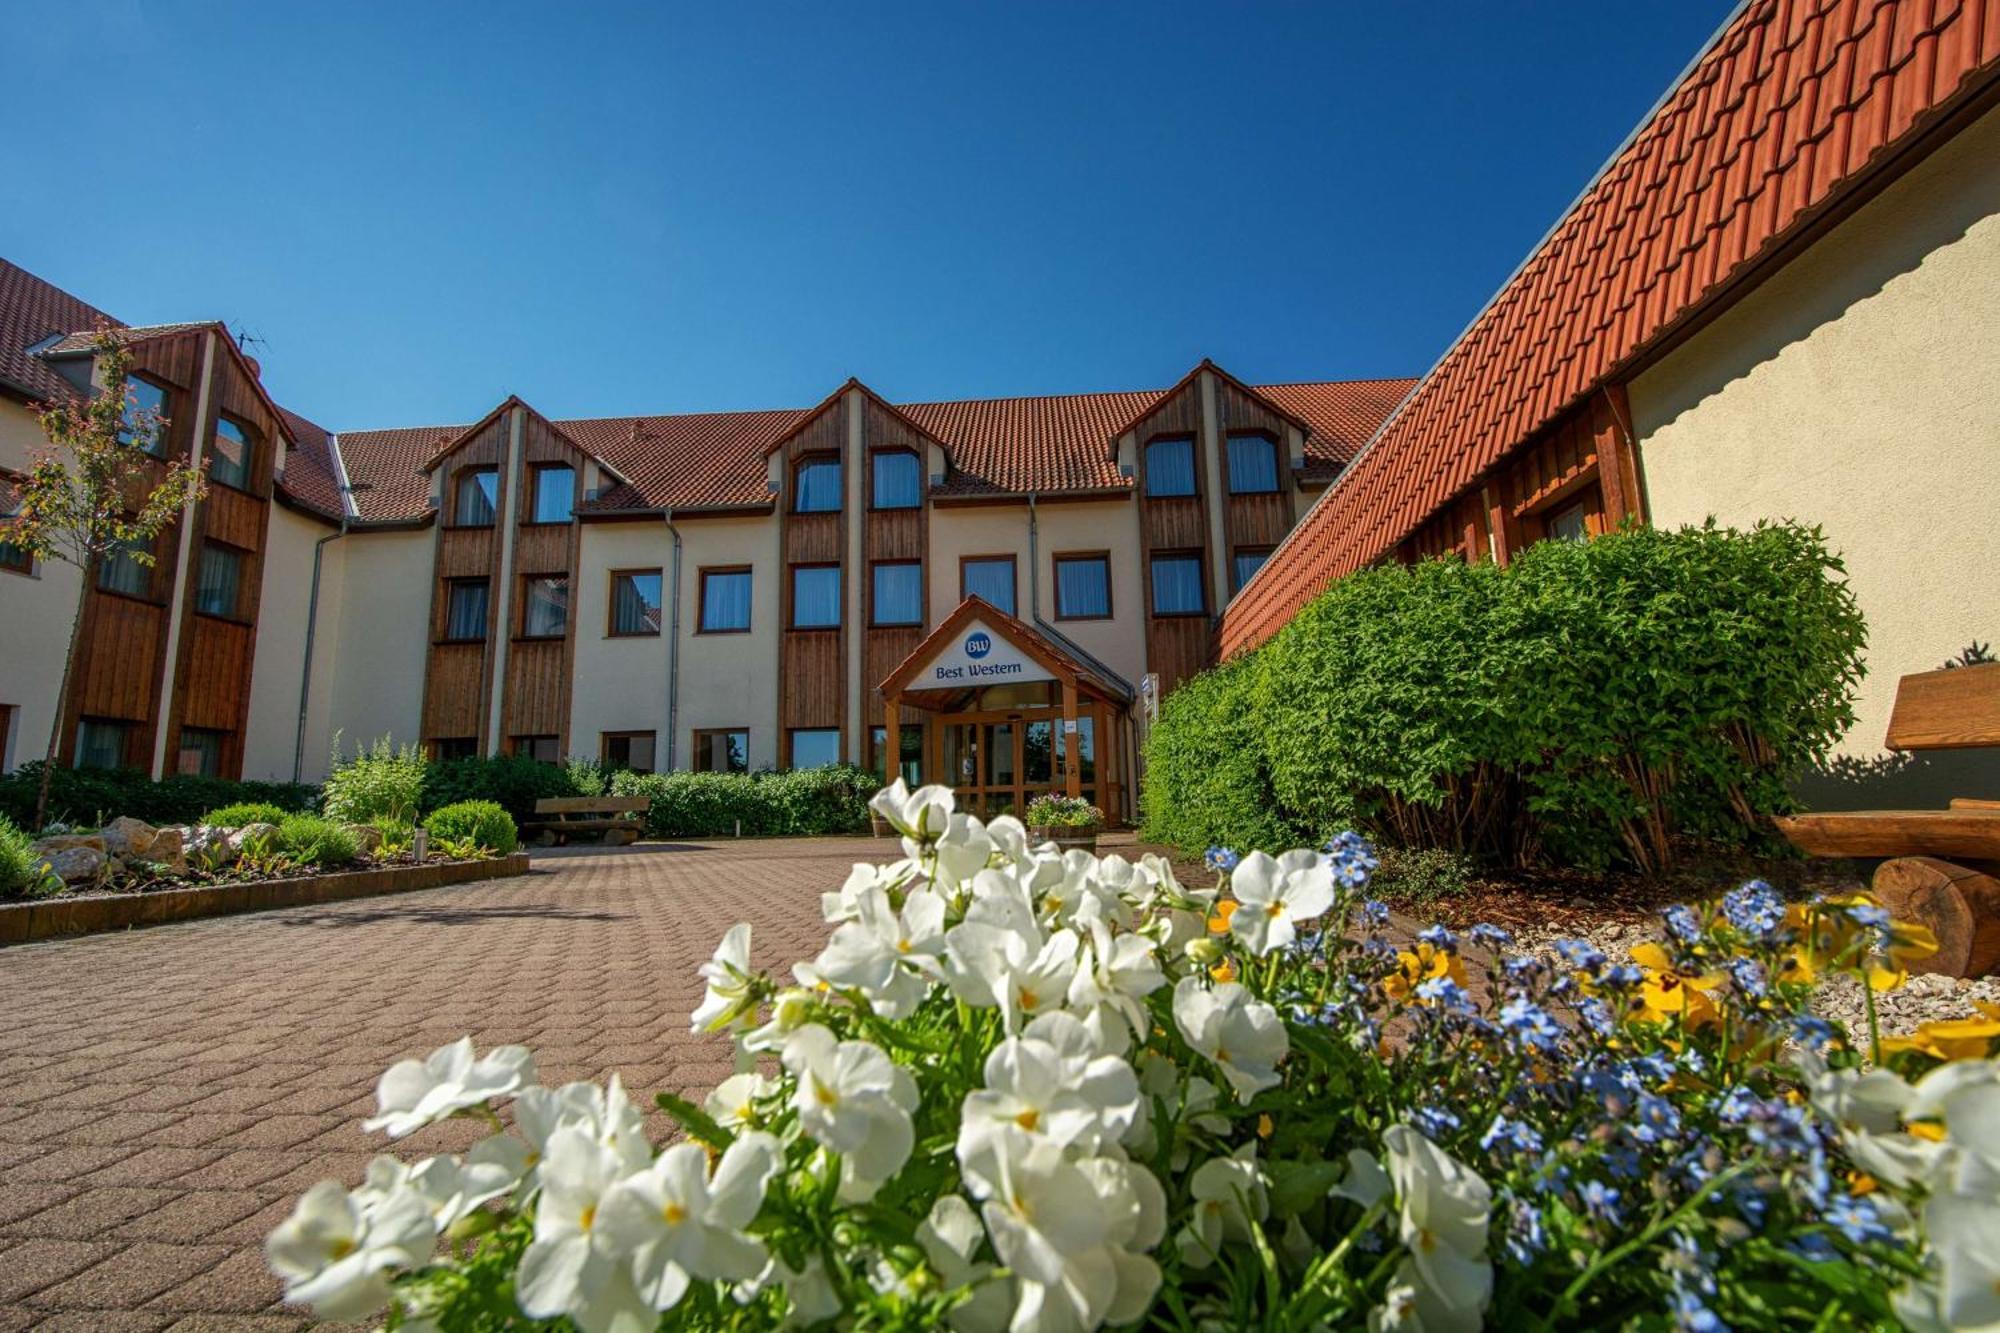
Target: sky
417, 209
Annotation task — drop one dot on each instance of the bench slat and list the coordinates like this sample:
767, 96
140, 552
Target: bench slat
1966, 834
1947, 710
592, 805
582, 825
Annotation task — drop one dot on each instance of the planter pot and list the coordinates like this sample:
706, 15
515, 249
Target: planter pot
880, 826
1065, 836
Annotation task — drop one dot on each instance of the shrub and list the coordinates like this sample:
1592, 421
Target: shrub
515, 782
1422, 875
90, 797
799, 803
315, 840
484, 822
22, 871
244, 812
1207, 781
379, 782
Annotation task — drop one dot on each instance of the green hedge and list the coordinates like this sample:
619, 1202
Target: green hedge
482, 821
514, 782
92, 796
244, 813
1591, 703
833, 799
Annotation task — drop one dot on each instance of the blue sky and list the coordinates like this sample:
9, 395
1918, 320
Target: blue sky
421, 208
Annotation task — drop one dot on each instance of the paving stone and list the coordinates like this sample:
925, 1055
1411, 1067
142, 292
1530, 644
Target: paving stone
33, 1196
39, 1263
131, 1277
90, 1212
240, 1284
194, 1217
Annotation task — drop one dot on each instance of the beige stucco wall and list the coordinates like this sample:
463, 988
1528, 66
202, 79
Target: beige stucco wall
378, 629
619, 684
271, 736
729, 680
35, 614
1859, 389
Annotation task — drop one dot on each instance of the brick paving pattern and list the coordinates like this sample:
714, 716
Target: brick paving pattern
166, 1094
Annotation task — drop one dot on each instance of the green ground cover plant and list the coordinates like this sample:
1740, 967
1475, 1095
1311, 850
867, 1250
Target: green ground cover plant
485, 824
244, 813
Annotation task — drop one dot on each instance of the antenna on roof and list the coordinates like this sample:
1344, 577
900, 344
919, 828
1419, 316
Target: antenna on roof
245, 339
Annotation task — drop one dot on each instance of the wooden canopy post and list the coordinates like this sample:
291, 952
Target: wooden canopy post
1074, 773
892, 737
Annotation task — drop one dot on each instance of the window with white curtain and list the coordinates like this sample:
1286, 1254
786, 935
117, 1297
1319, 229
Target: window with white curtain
1177, 585
816, 486
725, 601
465, 611
1243, 566
478, 493
119, 570
101, 743
635, 602
544, 606
1083, 587
899, 594
229, 461
1253, 464
815, 596
899, 479
218, 579
1170, 466
990, 578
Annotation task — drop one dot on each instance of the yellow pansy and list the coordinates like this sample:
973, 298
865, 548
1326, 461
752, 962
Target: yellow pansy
1414, 968
1218, 922
1669, 993
1951, 1038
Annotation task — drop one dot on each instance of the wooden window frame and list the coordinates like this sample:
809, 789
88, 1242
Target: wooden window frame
234, 615
805, 460
839, 743
1200, 557
874, 620
611, 630
1277, 462
458, 476
514, 745
531, 492
521, 634
444, 620
130, 727
922, 481
604, 739
251, 439
166, 419
1014, 565
1234, 551
701, 598
701, 734
150, 597
875, 750
1146, 491
1055, 582
792, 601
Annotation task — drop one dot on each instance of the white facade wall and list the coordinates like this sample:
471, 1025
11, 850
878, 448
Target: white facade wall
271, 736
36, 611
378, 627
620, 683
730, 680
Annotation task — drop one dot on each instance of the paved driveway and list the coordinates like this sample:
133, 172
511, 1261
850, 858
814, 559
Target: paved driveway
166, 1094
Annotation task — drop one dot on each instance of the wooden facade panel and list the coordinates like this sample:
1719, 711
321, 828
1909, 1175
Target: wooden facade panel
543, 548
1173, 523
1257, 520
237, 394
452, 701
467, 552
174, 362
882, 651
814, 539
810, 661
214, 676
894, 534
118, 663
1177, 647
234, 517
537, 695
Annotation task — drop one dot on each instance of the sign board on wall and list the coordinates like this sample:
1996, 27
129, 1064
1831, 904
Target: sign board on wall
977, 656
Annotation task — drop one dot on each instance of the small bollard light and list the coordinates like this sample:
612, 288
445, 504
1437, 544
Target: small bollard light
420, 844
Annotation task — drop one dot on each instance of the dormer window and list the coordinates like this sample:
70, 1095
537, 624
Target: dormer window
477, 498
1170, 466
230, 454
555, 494
899, 479
1253, 463
816, 486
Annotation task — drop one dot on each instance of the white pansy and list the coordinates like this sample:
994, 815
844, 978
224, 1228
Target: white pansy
571, 1268
1366, 1183
918, 815
1135, 1209
730, 992
1228, 1195
844, 903
337, 1251
1274, 894
1116, 972
605, 1114
791, 1009
1134, 885
1443, 1210
679, 1224
1009, 837
1051, 1083
889, 956
414, 1093
1242, 1035
950, 1237
733, 1103
1965, 1241
1409, 1306
853, 1100
1050, 1227
960, 852
1009, 968
448, 1187
1869, 1108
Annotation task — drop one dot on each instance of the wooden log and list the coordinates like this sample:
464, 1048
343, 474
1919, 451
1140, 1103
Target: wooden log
1960, 905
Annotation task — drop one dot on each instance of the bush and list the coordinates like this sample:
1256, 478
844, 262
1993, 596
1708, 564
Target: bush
22, 871
380, 782
1590, 703
1422, 875
316, 841
802, 802
484, 822
91, 797
244, 812
515, 782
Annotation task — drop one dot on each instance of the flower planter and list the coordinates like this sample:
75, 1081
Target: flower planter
1066, 836
880, 826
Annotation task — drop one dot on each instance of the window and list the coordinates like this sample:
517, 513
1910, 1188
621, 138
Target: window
723, 751
1253, 464
990, 577
541, 749
15, 559
899, 594
909, 754
1571, 523
554, 493
815, 747
899, 479
1083, 587
1177, 585
218, 580
635, 602
465, 611
145, 416
544, 606
1170, 466
101, 744
229, 462
725, 601
478, 493
1243, 566
631, 750
200, 752
816, 486
815, 596
447, 748
120, 571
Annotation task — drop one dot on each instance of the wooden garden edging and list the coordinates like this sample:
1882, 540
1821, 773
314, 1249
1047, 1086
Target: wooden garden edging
54, 918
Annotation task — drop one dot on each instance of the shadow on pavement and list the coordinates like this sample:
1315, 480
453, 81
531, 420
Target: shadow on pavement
448, 916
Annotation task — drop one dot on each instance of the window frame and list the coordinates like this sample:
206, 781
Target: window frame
819, 457
249, 442
792, 735
435, 745
878, 742
150, 573
1014, 577
875, 620
531, 497
485, 621
611, 630
1056, 559
1201, 581
701, 598
514, 746
1236, 553
242, 557
459, 477
221, 738
1194, 466
25, 566
163, 421
875, 504
605, 738
792, 596
521, 615
700, 739
1277, 486
125, 726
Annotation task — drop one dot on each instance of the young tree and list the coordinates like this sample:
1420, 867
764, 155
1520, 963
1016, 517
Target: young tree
93, 492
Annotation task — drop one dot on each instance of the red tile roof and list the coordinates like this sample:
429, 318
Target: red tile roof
31, 311
1793, 104
309, 468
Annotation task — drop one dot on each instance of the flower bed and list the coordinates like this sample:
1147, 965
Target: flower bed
1036, 1091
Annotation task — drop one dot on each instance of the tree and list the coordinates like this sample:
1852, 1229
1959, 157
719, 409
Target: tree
93, 492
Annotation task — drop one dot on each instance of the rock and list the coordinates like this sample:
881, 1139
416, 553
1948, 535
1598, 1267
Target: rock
68, 841
238, 839
367, 838
209, 847
168, 852
78, 865
128, 839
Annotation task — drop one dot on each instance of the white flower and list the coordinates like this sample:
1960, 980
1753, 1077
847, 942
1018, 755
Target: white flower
1274, 894
1965, 1242
1408, 1306
1009, 837
1050, 1226
448, 1187
1009, 967
918, 815
950, 1236
1051, 1083
1136, 1214
1869, 1108
854, 1101
1116, 973
733, 1102
415, 1093
1444, 1209
887, 955
791, 1009
679, 1224
1135, 885
1228, 1196
571, 1268
604, 1114
337, 1251
962, 851
730, 993
1366, 1183
1243, 1036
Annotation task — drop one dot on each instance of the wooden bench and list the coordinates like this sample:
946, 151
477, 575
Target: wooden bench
1944, 866
618, 819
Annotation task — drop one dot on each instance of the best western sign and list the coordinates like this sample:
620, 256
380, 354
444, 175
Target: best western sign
978, 657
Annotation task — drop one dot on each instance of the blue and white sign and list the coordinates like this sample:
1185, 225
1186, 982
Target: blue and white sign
978, 657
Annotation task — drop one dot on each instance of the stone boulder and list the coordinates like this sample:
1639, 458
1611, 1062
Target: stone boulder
64, 842
129, 840
238, 839
75, 859
209, 847
367, 838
